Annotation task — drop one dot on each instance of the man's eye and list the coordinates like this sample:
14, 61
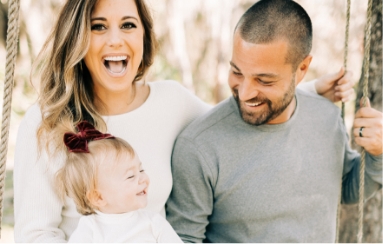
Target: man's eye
131, 177
142, 170
236, 73
98, 27
266, 83
128, 25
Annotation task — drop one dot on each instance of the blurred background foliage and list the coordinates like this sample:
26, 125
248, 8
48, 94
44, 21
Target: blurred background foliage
195, 48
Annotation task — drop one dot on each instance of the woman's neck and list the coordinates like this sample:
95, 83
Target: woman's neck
113, 103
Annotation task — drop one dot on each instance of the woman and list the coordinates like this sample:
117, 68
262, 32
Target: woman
97, 54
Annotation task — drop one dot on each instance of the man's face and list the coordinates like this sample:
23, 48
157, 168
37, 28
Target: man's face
262, 83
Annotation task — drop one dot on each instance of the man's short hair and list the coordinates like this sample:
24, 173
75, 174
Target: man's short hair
269, 20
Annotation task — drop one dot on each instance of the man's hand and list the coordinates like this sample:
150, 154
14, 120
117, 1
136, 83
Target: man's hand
368, 127
336, 87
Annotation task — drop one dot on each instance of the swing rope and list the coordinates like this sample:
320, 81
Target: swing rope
12, 37
343, 111
364, 101
346, 47
366, 65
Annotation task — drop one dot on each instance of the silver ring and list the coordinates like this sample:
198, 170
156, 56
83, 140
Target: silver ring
361, 131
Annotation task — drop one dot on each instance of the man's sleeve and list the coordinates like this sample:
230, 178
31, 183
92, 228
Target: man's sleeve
308, 86
350, 180
191, 200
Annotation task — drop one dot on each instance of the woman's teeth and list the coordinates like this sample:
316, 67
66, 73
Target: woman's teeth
115, 64
115, 58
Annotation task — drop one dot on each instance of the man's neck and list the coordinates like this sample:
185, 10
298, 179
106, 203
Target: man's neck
286, 114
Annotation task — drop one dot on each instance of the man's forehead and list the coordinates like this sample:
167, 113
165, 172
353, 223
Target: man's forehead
261, 59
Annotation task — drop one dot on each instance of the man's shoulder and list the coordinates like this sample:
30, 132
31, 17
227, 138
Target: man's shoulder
314, 103
209, 120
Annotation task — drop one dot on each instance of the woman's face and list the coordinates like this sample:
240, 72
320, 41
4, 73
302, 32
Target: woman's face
116, 45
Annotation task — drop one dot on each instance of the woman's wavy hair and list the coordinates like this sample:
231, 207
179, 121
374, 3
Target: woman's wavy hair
66, 88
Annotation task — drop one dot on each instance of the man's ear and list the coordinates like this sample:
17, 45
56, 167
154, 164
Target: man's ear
302, 69
95, 198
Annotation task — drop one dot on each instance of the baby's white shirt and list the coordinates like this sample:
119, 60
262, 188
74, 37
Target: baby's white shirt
133, 227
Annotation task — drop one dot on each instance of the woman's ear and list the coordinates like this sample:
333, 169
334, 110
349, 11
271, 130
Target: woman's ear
95, 198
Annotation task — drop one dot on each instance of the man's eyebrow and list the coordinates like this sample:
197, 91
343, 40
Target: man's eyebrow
266, 75
234, 66
104, 19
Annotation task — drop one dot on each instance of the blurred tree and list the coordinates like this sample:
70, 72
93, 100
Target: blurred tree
372, 231
3, 23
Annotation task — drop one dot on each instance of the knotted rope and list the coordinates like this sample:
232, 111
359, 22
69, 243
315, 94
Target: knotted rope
12, 37
364, 100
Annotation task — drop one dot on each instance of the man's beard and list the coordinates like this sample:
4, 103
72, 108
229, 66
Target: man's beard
272, 110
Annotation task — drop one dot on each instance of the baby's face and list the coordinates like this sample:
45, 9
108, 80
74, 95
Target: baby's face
123, 184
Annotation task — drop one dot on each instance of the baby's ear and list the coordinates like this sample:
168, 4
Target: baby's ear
95, 198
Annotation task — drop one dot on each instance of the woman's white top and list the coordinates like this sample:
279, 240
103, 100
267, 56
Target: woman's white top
151, 129
138, 226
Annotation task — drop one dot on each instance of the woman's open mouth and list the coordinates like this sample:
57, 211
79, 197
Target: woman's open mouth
116, 64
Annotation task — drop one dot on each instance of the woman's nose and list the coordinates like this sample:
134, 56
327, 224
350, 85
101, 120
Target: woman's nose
114, 37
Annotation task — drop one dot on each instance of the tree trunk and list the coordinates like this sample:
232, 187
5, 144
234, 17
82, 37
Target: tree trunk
372, 231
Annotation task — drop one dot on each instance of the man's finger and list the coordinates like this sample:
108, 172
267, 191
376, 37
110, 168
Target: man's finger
344, 87
370, 145
367, 112
364, 132
344, 96
367, 122
346, 79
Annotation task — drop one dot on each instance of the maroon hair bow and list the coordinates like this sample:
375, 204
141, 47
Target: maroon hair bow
86, 132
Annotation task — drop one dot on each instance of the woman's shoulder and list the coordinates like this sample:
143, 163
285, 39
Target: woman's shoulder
178, 96
168, 87
32, 116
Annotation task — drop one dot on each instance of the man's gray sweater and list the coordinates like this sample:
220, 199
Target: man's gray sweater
235, 182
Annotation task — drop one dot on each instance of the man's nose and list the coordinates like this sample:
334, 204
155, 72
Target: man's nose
247, 90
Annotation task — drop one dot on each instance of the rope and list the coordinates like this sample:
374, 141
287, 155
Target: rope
12, 37
343, 111
346, 47
365, 96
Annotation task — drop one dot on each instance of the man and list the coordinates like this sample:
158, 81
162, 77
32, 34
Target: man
267, 164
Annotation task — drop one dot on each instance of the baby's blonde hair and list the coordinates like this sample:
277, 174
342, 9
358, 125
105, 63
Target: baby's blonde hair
78, 177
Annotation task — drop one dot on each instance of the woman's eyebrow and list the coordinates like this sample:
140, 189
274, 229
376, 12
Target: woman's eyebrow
104, 19
129, 17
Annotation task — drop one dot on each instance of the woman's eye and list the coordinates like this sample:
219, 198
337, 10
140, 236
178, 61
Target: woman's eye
98, 27
142, 170
131, 177
128, 25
